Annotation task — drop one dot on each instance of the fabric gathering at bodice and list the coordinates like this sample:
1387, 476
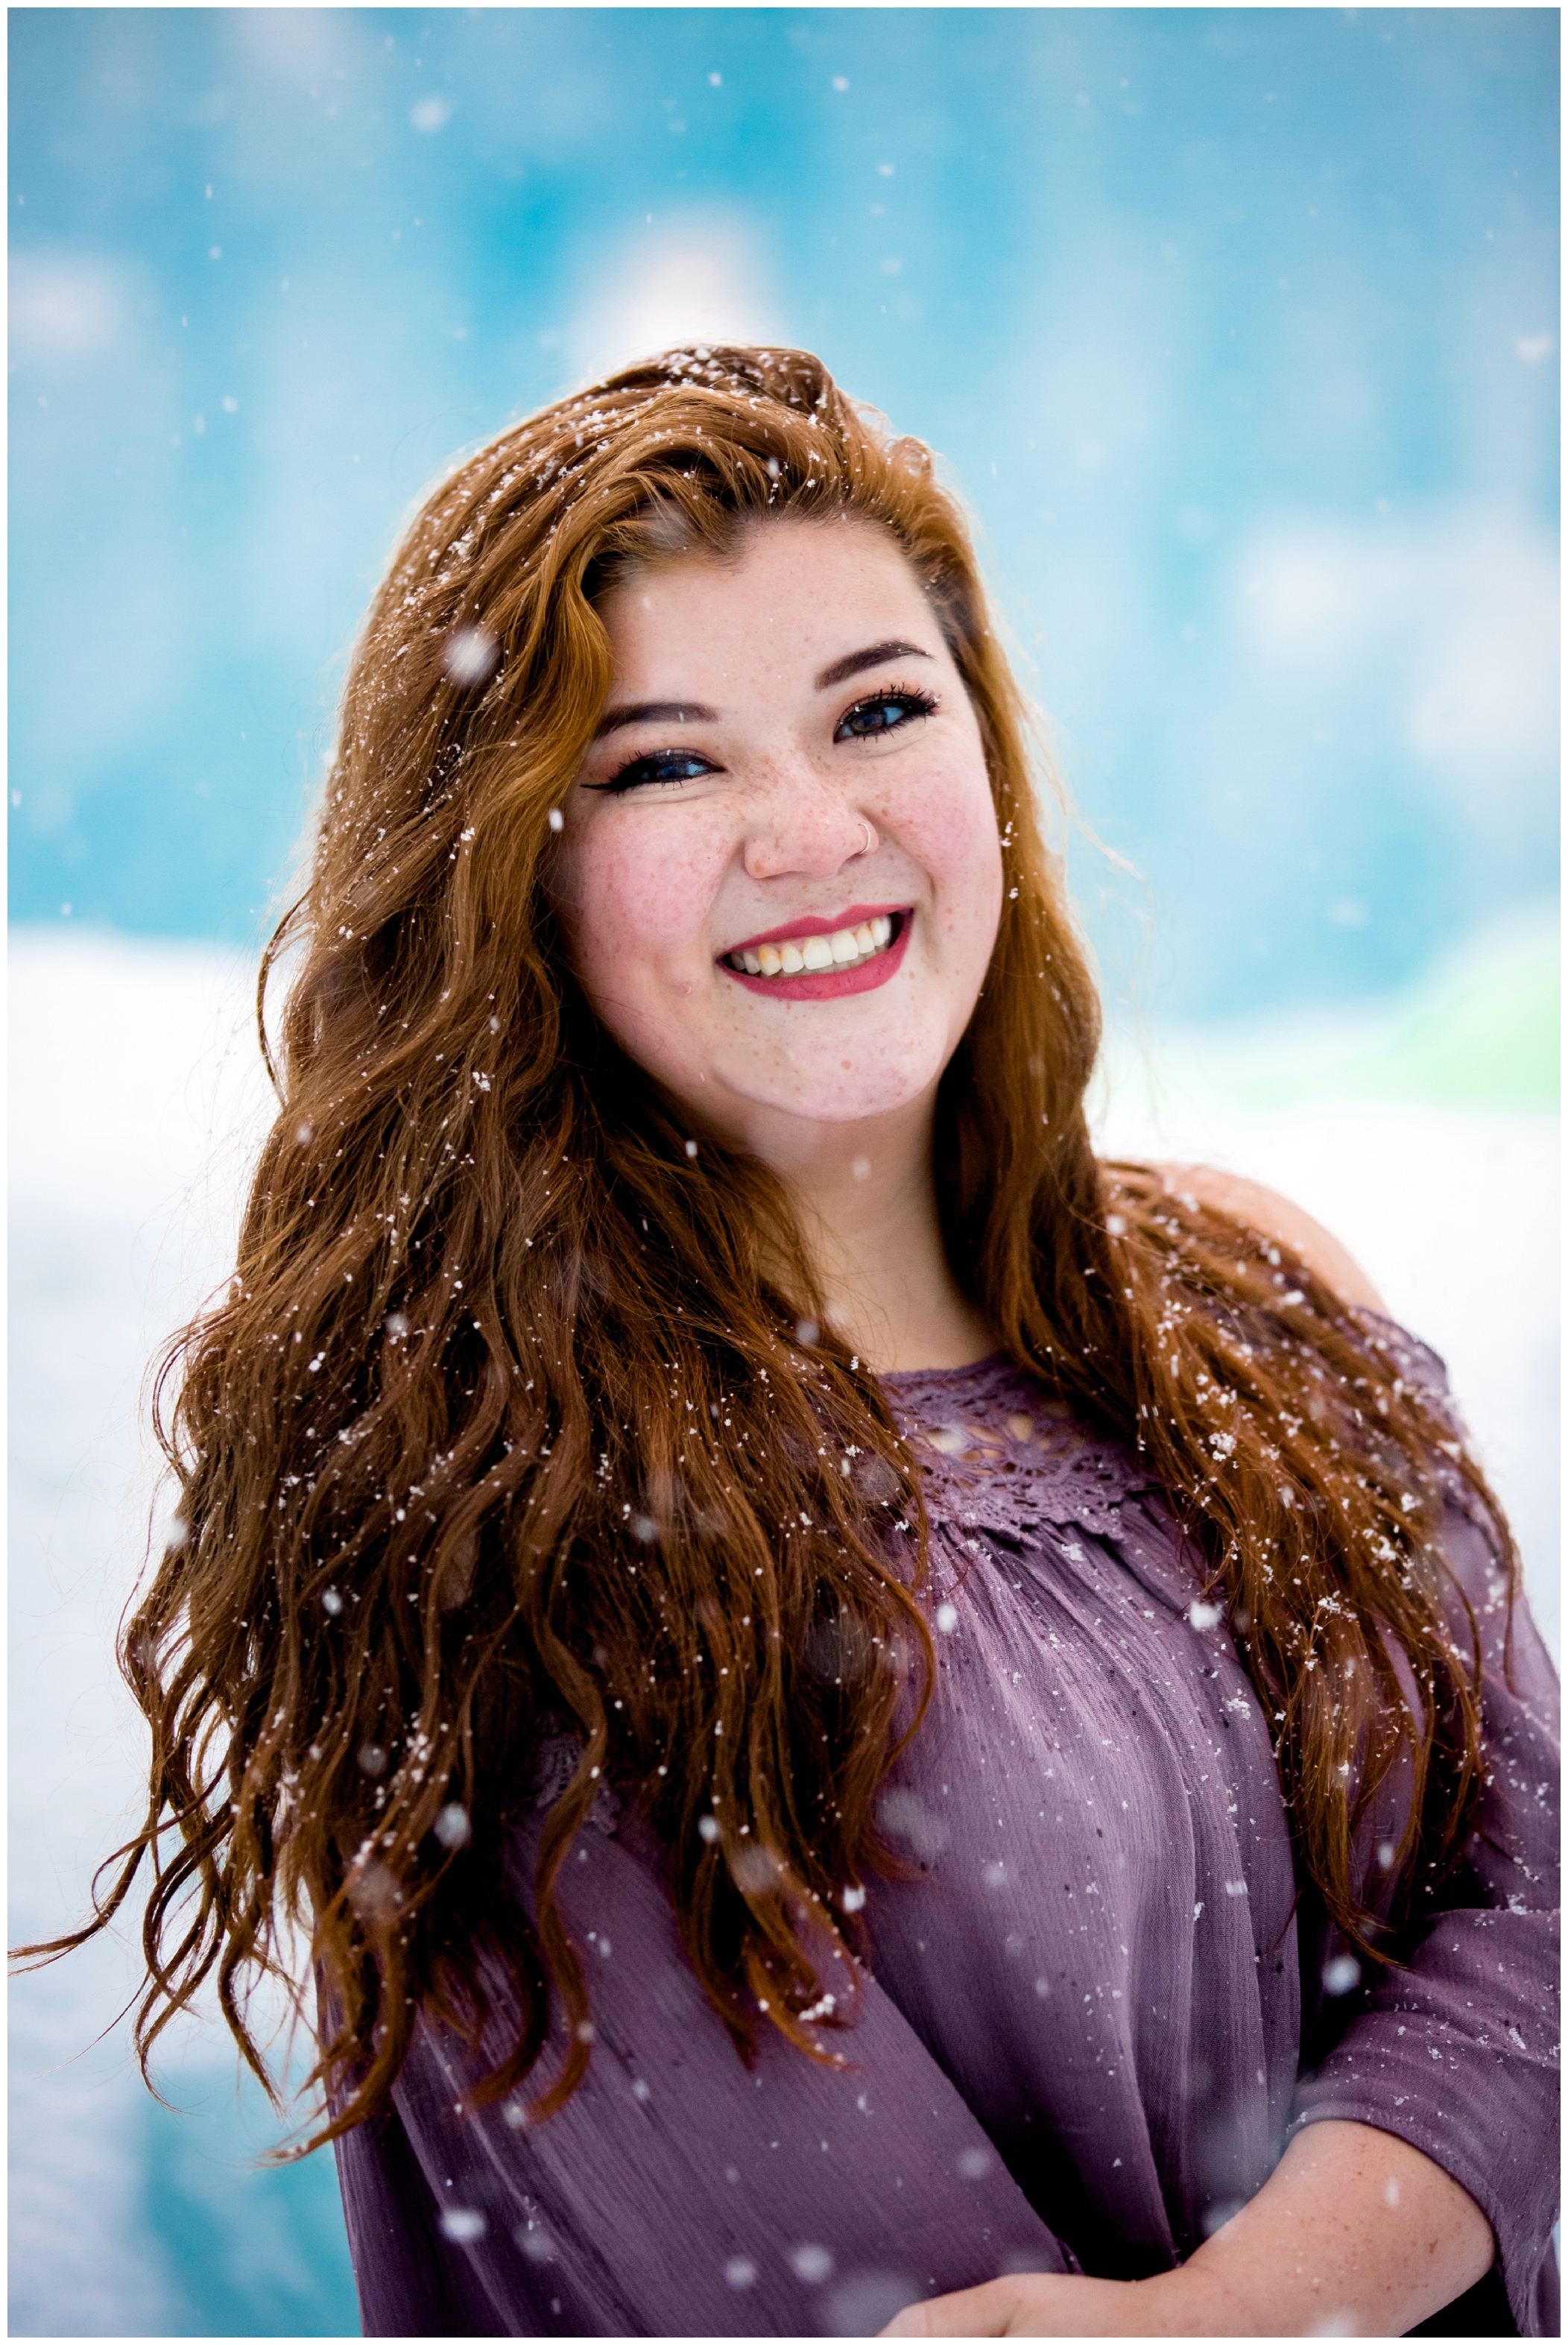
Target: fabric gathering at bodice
1093, 2014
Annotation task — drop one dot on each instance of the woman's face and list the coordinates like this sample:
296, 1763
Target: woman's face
779, 874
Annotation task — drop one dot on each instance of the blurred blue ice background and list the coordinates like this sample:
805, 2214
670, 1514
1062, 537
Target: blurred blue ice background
1238, 330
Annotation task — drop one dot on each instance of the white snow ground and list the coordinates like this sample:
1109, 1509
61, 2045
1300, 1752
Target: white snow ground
134, 1091
135, 1096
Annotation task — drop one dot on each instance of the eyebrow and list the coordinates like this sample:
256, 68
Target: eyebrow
855, 663
654, 712
692, 712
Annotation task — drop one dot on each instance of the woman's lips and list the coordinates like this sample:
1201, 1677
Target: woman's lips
828, 984
816, 925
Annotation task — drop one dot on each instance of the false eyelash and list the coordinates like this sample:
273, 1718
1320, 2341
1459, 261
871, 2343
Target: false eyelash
921, 704
623, 778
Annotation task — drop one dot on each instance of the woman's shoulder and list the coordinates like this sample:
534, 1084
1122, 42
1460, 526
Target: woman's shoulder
1277, 1218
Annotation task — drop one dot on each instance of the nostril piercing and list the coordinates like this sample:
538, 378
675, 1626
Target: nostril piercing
867, 829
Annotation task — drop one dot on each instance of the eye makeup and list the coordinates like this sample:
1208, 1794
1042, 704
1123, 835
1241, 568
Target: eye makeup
908, 700
654, 767
872, 716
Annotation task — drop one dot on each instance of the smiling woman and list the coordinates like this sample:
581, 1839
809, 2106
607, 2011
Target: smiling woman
858, 1705
811, 782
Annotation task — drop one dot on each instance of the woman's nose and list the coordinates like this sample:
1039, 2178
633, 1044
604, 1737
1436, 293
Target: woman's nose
804, 832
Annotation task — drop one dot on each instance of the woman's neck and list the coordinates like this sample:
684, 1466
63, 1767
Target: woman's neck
866, 1198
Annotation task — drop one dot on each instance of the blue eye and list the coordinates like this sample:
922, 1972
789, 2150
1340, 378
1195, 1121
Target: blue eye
662, 766
885, 713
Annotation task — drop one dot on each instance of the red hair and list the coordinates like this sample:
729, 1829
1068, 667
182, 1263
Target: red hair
503, 1428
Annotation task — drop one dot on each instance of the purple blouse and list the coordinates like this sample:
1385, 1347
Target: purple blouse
1092, 2019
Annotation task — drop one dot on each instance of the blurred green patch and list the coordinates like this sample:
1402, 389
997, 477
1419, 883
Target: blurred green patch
1485, 1037
1481, 1033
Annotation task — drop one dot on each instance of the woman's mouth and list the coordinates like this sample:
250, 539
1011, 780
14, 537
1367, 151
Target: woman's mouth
861, 950
830, 949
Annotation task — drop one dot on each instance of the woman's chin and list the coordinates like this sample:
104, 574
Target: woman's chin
836, 1096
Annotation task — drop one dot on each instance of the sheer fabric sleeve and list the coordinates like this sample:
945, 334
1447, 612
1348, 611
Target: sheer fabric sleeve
1456, 2049
678, 2193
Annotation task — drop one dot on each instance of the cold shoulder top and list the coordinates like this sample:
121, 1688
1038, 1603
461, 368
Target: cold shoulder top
1092, 2018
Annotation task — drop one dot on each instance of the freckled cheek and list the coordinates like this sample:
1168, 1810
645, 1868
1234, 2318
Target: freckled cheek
949, 828
634, 902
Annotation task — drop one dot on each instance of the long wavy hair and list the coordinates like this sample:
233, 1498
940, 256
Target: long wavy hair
507, 1428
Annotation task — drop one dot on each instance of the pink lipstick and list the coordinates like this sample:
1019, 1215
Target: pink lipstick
824, 959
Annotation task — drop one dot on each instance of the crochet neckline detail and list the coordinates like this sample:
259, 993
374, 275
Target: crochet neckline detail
999, 1454
903, 1377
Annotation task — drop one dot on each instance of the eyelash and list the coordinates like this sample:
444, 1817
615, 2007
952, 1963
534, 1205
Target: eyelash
631, 775
635, 776
916, 702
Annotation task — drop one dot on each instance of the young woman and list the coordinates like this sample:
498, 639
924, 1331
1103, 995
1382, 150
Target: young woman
861, 1711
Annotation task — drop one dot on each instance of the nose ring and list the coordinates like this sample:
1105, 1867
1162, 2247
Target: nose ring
869, 842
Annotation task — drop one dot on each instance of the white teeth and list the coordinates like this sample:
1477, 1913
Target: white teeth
841, 949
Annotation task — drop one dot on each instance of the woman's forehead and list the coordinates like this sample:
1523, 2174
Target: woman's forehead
784, 597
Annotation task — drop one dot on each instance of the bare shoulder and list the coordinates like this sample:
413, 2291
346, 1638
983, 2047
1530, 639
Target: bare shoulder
1273, 1216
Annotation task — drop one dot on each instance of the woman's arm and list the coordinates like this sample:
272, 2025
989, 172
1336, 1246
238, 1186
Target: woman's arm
1355, 2234
1455, 2048
679, 2192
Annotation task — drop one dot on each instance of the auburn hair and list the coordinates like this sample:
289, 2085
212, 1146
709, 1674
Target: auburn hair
507, 1428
